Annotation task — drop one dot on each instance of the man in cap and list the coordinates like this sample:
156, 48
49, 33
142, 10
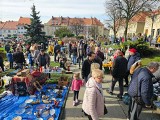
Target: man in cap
133, 57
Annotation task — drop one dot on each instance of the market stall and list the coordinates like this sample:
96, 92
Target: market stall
32, 97
45, 104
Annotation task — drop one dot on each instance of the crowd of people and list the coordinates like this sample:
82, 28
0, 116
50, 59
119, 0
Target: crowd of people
90, 57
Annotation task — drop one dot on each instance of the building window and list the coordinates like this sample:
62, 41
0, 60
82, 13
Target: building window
152, 32
21, 27
9, 31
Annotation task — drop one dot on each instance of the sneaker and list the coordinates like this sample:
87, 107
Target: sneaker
76, 100
74, 103
119, 96
125, 85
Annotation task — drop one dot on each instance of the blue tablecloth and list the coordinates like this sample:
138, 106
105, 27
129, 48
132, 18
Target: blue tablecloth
10, 104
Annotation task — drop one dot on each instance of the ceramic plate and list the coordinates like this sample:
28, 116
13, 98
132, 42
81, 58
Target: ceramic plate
42, 106
52, 111
45, 114
20, 111
39, 119
29, 101
32, 96
22, 105
17, 118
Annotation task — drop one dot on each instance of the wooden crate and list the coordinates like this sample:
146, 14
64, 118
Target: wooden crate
63, 81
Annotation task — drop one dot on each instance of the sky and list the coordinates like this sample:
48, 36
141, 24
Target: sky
13, 9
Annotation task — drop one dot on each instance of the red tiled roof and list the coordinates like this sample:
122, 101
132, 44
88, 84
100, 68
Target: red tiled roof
140, 17
24, 21
10, 25
70, 21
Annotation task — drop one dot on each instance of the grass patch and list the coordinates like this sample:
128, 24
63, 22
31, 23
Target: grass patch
53, 64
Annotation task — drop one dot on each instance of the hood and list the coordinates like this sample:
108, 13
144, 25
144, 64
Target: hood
92, 83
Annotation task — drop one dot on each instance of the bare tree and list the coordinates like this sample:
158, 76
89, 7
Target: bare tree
93, 31
77, 26
130, 8
115, 16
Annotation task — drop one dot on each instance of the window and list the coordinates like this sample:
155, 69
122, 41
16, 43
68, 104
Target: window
21, 27
9, 31
152, 32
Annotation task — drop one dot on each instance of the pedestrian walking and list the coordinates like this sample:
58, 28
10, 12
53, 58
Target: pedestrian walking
118, 72
10, 59
93, 101
76, 85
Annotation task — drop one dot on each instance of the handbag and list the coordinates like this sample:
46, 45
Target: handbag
105, 108
126, 99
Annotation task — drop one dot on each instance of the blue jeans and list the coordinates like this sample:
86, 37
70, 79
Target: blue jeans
74, 59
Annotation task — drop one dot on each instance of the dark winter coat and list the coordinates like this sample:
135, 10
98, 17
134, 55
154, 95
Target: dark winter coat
57, 48
119, 67
99, 61
145, 85
47, 59
132, 59
86, 68
18, 57
100, 54
7, 47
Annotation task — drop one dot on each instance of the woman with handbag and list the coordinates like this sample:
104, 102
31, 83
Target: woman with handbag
93, 102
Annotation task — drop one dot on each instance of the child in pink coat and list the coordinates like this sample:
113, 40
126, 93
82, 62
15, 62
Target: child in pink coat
76, 85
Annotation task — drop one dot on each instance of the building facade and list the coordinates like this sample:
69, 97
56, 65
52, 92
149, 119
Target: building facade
86, 27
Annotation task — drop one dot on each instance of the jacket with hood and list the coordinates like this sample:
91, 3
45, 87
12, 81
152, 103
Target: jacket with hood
93, 101
132, 59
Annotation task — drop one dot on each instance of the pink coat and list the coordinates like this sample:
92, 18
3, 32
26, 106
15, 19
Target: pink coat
93, 101
76, 85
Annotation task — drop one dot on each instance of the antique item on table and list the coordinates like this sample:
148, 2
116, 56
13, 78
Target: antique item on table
42, 106
56, 103
22, 105
51, 118
46, 101
35, 102
45, 113
63, 81
29, 101
20, 111
17, 118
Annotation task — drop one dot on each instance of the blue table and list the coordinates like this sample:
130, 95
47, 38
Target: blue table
10, 104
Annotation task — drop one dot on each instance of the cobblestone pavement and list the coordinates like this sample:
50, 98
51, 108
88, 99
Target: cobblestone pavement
117, 110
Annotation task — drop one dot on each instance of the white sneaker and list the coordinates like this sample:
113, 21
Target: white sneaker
74, 103
76, 100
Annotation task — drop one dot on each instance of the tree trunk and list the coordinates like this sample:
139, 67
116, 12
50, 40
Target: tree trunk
126, 30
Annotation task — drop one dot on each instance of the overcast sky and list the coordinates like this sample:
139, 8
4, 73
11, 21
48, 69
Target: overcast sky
13, 9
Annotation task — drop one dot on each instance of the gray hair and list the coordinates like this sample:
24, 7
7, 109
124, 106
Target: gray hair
153, 65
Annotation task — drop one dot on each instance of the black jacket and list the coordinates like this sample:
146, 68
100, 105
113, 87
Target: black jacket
86, 67
18, 57
119, 67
